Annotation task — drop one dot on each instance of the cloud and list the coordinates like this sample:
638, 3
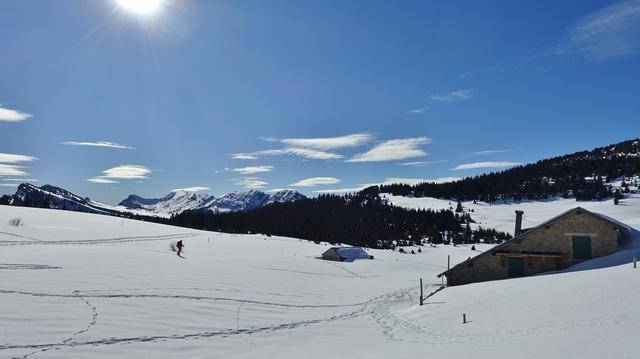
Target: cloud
464, 75
318, 148
315, 181
101, 180
191, 189
9, 115
250, 182
605, 34
419, 111
11, 158
9, 185
392, 150
121, 172
11, 170
489, 152
300, 152
477, 165
421, 163
20, 179
253, 169
243, 156
454, 96
98, 144
329, 143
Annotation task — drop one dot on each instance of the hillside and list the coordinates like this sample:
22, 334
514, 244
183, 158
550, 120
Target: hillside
100, 286
581, 175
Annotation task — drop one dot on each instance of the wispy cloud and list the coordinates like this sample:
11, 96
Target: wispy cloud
315, 181
605, 34
191, 189
8, 165
420, 110
99, 180
454, 96
12, 158
243, 156
421, 163
478, 165
392, 150
300, 152
127, 172
249, 170
250, 182
20, 179
12, 170
464, 75
122, 172
451, 97
317, 148
98, 144
9, 115
489, 152
329, 143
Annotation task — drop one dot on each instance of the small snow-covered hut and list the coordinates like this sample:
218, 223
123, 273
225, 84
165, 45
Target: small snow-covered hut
345, 254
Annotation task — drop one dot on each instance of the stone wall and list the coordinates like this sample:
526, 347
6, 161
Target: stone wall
555, 237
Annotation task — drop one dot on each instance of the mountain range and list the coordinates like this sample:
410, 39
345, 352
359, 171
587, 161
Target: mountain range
176, 202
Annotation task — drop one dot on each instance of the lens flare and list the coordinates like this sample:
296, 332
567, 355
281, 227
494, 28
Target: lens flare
141, 7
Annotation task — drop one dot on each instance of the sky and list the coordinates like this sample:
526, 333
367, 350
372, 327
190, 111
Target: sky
104, 99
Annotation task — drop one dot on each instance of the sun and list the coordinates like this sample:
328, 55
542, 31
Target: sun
141, 7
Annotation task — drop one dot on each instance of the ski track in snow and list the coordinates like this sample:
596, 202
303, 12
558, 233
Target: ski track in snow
371, 307
92, 322
18, 266
99, 241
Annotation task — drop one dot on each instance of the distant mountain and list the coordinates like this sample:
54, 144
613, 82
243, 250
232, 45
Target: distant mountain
582, 175
53, 197
174, 203
180, 201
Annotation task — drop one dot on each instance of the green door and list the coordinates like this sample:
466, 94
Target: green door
581, 247
516, 267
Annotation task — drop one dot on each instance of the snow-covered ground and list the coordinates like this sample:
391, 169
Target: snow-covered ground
501, 215
76, 285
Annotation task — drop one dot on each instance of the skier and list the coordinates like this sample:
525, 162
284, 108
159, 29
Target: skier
179, 245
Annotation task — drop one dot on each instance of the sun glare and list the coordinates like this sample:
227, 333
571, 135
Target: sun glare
140, 7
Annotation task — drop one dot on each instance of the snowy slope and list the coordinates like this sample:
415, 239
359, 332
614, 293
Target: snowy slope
501, 215
76, 285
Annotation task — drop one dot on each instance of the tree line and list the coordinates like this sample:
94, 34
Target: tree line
582, 175
355, 219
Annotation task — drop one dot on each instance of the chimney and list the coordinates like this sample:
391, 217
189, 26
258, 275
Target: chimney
518, 223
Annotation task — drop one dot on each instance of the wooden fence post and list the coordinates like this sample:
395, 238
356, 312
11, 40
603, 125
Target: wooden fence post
421, 296
464, 318
635, 262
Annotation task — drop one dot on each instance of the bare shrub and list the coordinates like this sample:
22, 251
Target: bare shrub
16, 222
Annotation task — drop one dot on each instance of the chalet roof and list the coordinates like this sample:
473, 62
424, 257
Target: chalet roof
498, 248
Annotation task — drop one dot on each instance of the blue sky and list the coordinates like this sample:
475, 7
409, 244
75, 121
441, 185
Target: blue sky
312, 95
